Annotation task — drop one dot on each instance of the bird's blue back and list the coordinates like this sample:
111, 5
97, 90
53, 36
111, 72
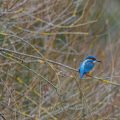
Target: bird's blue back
85, 67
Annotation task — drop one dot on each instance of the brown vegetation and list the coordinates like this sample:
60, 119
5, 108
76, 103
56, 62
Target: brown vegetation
42, 43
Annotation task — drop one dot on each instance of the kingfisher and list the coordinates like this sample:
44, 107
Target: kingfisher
87, 65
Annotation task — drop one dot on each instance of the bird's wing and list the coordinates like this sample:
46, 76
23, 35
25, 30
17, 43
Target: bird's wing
88, 67
81, 70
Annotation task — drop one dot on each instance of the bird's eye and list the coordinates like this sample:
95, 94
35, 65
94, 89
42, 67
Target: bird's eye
93, 59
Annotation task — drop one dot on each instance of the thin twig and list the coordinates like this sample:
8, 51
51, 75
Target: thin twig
39, 58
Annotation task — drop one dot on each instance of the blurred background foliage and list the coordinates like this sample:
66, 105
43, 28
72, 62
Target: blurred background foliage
35, 32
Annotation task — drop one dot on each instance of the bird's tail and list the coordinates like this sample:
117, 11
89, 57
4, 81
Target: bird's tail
81, 76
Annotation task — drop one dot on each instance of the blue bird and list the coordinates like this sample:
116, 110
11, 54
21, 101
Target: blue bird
87, 65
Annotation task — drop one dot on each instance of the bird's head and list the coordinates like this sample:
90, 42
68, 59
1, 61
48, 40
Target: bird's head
92, 58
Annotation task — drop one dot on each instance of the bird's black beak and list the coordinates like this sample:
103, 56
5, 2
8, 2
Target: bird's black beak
98, 61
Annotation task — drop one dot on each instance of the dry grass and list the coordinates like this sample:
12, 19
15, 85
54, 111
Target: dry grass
41, 45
